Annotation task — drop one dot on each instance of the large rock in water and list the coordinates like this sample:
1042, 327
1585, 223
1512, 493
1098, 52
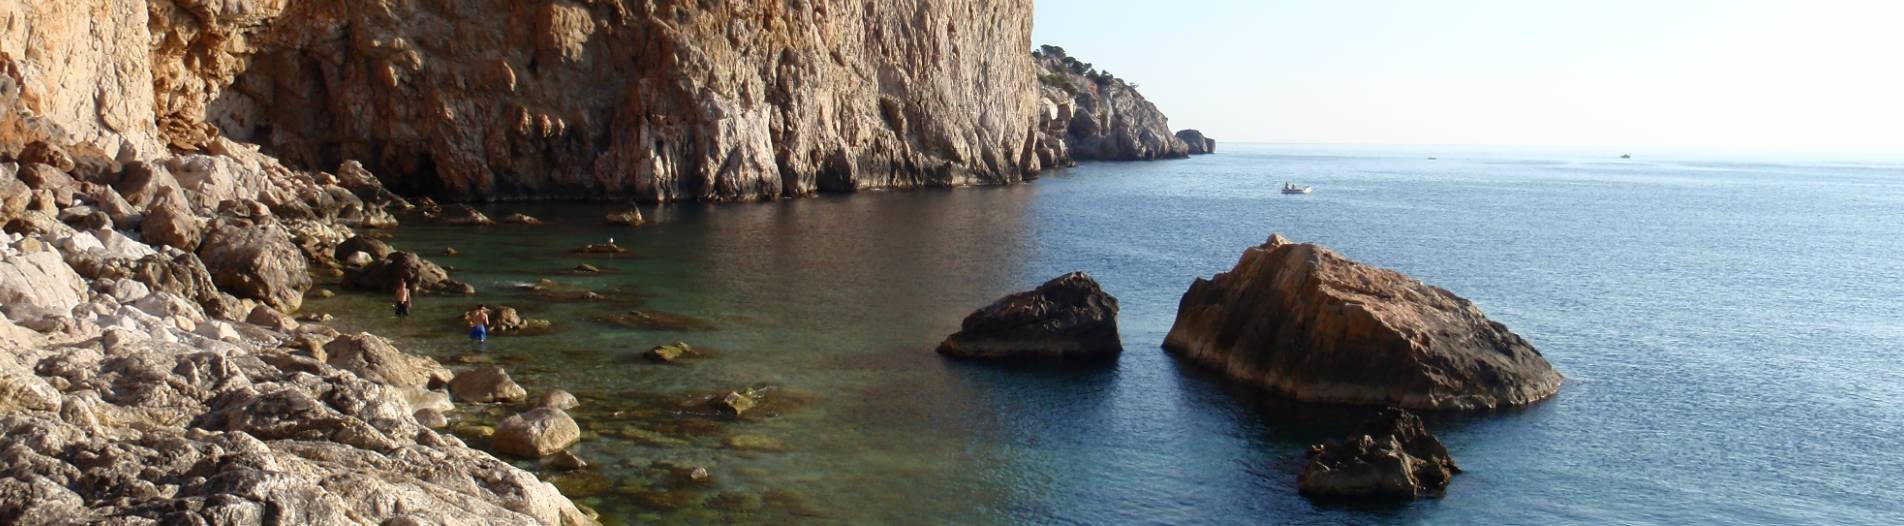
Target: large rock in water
1198, 144
384, 274
536, 433
1393, 457
1305, 323
1069, 317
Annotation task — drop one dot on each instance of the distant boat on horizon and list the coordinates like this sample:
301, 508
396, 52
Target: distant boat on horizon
1292, 188
1626, 156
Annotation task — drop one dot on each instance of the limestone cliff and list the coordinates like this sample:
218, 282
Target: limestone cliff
660, 101
1098, 116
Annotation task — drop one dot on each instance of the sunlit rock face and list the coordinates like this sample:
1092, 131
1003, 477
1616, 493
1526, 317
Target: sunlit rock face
658, 101
1301, 321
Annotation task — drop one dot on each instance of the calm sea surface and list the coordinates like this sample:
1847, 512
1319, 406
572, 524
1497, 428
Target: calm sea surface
1732, 336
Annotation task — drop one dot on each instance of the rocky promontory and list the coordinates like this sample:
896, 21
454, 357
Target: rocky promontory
1096, 116
1067, 318
1302, 322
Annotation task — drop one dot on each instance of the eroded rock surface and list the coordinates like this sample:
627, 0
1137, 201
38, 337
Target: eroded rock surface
1067, 318
1303, 322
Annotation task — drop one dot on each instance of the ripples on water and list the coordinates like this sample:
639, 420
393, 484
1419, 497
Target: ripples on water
1730, 334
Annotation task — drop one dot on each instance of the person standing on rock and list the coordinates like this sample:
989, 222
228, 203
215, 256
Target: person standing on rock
403, 298
478, 323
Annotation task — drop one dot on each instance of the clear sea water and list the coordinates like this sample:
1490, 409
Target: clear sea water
1732, 334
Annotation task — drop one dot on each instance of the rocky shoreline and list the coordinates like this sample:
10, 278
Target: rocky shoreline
161, 379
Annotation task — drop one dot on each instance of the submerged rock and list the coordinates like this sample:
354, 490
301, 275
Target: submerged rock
601, 248
1305, 323
747, 442
536, 433
1393, 457
669, 352
656, 321
1067, 318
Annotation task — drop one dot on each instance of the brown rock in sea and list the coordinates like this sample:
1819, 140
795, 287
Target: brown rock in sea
536, 433
629, 217
1392, 457
1199, 144
1303, 322
459, 214
1067, 318
486, 384
382, 275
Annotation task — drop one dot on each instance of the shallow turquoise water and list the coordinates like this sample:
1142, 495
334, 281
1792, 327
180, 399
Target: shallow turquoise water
1729, 331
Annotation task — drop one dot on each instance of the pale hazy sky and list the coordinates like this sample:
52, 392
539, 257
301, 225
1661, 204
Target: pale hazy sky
1804, 76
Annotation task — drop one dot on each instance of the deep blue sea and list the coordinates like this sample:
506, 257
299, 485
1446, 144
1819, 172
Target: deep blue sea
1732, 334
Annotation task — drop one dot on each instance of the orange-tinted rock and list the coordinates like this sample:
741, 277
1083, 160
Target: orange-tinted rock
1303, 322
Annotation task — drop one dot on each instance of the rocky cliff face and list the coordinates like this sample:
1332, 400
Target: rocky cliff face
660, 101
1301, 321
1097, 116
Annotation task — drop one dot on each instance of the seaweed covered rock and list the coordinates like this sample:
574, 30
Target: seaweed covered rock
1069, 318
1392, 457
1301, 321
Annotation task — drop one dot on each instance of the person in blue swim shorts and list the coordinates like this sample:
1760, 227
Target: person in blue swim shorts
478, 323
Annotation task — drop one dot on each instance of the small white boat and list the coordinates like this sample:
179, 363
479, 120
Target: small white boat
1291, 188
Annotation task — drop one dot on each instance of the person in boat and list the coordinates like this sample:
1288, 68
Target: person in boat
403, 298
478, 323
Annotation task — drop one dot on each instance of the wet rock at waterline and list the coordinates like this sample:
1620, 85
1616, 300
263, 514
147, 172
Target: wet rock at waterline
558, 399
462, 215
1067, 318
1303, 322
536, 433
374, 358
486, 385
601, 248
1392, 457
630, 217
384, 274
521, 219
669, 353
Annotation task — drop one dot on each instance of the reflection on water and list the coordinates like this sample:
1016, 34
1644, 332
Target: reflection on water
1674, 349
